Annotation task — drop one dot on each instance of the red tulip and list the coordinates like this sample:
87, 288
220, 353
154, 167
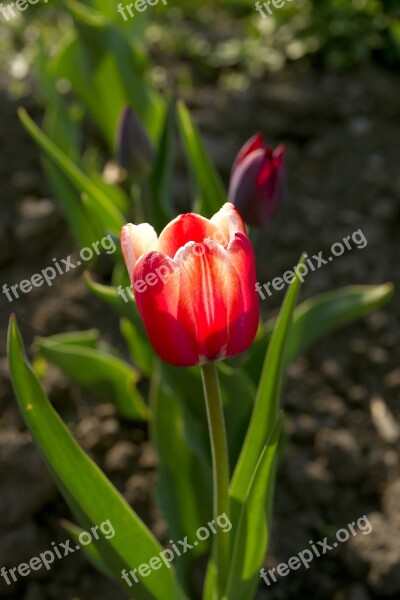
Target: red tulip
194, 286
257, 186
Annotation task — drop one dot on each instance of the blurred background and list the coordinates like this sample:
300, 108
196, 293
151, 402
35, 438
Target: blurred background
322, 77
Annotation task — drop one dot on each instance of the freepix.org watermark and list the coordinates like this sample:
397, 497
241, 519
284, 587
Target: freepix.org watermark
165, 271
47, 558
312, 263
306, 556
167, 556
137, 6
266, 9
7, 11
60, 267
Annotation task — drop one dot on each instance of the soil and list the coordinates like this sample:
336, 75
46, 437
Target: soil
341, 460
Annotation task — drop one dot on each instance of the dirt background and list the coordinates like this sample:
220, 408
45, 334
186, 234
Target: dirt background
343, 143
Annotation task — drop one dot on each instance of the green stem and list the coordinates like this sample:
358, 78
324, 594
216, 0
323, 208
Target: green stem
219, 451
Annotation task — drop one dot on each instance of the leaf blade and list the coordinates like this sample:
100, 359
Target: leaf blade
97, 500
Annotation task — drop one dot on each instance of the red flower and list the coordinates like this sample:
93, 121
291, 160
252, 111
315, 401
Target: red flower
257, 186
194, 286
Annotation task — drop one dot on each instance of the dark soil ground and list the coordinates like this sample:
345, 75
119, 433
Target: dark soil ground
342, 458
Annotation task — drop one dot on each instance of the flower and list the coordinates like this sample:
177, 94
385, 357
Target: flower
257, 185
134, 150
194, 286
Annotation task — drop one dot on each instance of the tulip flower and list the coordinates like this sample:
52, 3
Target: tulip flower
194, 286
257, 185
134, 150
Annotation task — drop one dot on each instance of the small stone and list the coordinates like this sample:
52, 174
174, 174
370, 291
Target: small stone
121, 458
378, 356
342, 453
330, 405
39, 225
384, 421
106, 410
148, 458
391, 503
303, 428
331, 368
392, 379
88, 431
376, 321
137, 489
357, 393
377, 553
358, 346
109, 431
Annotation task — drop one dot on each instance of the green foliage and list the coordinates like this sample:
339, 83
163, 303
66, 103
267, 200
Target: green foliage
88, 492
210, 192
94, 368
316, 318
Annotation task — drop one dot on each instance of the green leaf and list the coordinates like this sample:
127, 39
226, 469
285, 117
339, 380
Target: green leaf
252, 533
91, 496
237, 395
110, 377
184, 473
108, 69
266, 407
161, 176
116, 300
103, 209
69, 200
318, 317
211, 188
91, 552
140, 349
86, 339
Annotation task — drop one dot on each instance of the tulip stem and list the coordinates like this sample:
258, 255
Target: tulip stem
220, 462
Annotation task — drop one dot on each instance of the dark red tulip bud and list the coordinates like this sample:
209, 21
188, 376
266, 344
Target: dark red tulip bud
134, 150
257, 186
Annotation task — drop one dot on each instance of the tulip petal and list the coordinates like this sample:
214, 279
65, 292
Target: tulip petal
169, 322
185, 228
254, 143
206, 269
135, 241
229, 221
243, 315
252, 188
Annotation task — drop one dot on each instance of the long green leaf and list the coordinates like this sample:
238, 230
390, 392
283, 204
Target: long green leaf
87, 339
266, 407
111, 378
69, 200
105, 210
110, 296
184, 473
211, 188
252, 534
89, 493
140, 349
316, 318
91, 552
161, 176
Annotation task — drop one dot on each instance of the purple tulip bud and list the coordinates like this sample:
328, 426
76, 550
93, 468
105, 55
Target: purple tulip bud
257, 186
134, 150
